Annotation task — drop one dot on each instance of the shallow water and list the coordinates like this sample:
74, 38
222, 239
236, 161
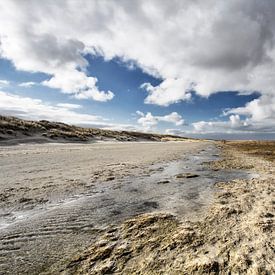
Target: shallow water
33, 240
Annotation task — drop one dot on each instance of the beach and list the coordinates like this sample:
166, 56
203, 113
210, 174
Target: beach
136, 207
32, 174
55, 198
137, 137
236, 234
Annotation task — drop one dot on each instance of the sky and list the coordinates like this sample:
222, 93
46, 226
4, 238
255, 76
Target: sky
192, 68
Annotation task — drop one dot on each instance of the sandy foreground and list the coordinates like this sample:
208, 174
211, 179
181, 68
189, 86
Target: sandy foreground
233, 235
57, 198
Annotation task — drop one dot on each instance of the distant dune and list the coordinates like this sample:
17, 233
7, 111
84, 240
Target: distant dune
14, 130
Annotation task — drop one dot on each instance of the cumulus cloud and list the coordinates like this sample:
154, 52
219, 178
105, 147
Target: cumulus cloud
261, 109
204, 46
174, 117
218, 49
234, 125
259, 115
79, 84
169, 91
148, 121
29, 42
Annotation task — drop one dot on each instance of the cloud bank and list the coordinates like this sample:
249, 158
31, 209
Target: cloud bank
36, 109
26, 107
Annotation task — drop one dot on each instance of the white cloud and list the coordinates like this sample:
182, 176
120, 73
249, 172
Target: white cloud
174, 117
228, 47
79, 84
256, 116
30, 108
4, 83
27, 84
234, 125
69, 106
148, 121
261, 109
139, 113
169, 91
39, 49
206, 127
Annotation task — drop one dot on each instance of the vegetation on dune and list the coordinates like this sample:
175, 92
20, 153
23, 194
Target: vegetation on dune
15, 128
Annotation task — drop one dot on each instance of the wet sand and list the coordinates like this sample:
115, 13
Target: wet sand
234, 236
57, 198
81, 224
45, 173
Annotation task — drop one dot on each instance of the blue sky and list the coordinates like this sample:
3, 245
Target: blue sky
119, 66
125, 82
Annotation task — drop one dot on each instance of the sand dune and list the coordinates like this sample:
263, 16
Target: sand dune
14, 131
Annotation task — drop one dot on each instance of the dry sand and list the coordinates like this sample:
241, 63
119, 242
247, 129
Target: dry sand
236, 235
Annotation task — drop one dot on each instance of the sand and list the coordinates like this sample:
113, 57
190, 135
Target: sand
44, 173
236, 235
17, 131
58, 198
